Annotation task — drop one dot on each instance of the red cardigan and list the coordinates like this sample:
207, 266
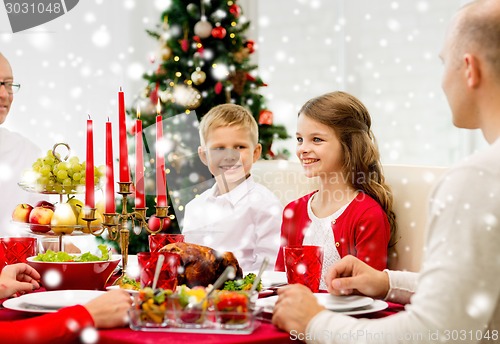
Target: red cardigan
63, 326
362, 230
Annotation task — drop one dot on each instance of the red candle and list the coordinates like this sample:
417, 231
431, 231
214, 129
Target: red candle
161, 185
109, 195
89, 167
122, 128
140, 201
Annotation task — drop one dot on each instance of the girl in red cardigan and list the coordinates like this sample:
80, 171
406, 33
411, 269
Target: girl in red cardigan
351, 213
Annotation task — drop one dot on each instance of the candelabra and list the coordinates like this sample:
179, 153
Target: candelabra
115, 224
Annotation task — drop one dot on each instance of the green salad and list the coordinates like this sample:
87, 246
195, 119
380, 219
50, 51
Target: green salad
51, 256
242, 284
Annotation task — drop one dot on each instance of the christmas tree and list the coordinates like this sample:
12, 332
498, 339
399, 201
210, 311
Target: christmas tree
203, 61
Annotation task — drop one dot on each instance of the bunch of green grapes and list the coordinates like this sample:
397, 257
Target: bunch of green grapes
58, 176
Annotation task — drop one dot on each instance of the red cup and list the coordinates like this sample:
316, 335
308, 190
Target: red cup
303, 265
168, 273
16, 250
157, 241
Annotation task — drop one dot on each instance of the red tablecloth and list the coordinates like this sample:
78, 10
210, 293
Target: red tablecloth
264, 333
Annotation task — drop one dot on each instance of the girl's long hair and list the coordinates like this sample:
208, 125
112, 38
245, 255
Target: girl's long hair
350, 120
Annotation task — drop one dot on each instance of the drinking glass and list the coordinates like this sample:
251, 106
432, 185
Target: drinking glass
16, 250
168, 273
303, 265
157, 241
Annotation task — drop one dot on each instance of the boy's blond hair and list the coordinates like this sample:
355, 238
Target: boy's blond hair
226, 115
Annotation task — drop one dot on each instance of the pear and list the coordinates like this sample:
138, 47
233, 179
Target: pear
95, 225
76, 204
64, 219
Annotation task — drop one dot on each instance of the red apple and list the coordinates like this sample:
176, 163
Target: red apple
46, 204
40, 218
154, 223
22, 212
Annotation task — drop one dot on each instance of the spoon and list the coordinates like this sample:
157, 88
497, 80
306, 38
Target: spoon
159, 264
256, 281
217, 284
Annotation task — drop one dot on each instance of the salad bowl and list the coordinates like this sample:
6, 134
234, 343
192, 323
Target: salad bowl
77, 275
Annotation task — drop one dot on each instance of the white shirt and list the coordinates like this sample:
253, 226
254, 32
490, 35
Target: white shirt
245, 221
17, 153
456, 296
320, 233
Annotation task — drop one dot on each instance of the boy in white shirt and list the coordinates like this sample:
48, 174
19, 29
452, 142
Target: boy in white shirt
236, 214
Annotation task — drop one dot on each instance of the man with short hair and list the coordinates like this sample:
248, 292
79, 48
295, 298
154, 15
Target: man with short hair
456, 295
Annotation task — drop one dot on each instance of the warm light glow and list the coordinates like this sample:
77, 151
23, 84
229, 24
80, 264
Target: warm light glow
158, 107
176, 59
178, 74
138, 111
232, 35
233, 23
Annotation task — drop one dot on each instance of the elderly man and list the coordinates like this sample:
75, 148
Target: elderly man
16, 154
456, 296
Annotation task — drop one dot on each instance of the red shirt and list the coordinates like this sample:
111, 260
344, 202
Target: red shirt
63, 326
362, 230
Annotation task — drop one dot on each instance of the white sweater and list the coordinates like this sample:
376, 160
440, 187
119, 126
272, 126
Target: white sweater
17, 153
456, 296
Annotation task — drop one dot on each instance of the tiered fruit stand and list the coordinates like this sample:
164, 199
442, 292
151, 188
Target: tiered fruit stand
114, 224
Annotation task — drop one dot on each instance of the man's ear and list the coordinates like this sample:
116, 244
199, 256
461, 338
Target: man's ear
257, 152
472, 70
202, 153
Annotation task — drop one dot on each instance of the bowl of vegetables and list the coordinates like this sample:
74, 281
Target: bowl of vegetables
87, 271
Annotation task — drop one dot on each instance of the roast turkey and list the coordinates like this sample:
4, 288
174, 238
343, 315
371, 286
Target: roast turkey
202, 265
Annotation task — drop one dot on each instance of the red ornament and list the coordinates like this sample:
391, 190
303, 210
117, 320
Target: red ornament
185, 45
235, 10
218, 87
270, 152
218, 32
250, 77
132, 129
265, 117
199, 45
250, 46
153, 96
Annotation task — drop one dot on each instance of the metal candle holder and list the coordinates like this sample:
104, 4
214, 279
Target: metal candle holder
116, 224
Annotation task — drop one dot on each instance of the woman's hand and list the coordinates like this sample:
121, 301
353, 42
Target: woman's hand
296, 306
110, 309
18, 278
351, 276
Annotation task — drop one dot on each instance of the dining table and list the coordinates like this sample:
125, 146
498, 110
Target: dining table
264, 332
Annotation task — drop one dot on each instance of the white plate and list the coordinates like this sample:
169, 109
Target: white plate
130, 291
272, 278
331, 302
377, 305
51, 301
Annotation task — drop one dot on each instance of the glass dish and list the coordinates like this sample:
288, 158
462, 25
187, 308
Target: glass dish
203, 321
